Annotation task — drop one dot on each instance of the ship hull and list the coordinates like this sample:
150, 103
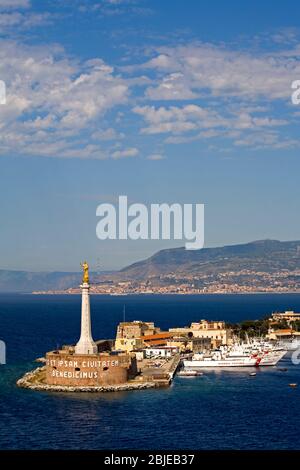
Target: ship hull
215, 364
272, 358
291, 345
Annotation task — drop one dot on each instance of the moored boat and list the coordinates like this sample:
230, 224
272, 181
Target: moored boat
189, 373
271, 358
217, 360
270, 354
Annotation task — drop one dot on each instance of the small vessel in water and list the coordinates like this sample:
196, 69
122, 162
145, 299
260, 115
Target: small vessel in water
189, 373
218, 359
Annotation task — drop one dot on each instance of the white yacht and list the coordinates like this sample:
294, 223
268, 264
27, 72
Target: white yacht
218, 359
270, 358
256, 352
268, 353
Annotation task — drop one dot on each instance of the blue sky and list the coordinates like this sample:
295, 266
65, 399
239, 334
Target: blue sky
163, 101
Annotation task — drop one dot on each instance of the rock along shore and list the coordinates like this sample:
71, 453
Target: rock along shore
34, 380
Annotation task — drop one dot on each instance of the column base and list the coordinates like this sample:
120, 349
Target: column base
86, 348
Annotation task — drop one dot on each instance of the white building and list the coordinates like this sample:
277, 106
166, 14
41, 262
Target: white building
289, 316
160, 351
216, 331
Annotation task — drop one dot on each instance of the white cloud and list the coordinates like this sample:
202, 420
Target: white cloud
9, 21
156, 157
176, 119
218, 71
172, 87
63, 107
179, 120
265, 140
14, 4
54, 102
116, 8
107, 134
115, 2
284, 36
239, 91
191, 122
130, 152
13, 21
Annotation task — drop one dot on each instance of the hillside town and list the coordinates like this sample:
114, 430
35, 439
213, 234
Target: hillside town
243, 281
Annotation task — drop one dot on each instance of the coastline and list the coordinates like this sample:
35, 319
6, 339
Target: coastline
33, 380
156, 293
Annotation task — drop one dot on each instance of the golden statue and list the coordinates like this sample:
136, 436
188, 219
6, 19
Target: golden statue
85, 278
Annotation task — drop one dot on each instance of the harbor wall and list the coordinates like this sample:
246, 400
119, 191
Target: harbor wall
63, 368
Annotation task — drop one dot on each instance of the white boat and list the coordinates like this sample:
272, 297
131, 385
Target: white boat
269, 353
254, 352
217, 360
270, 358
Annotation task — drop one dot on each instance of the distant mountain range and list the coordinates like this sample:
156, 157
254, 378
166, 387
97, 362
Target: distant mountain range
263, 256
29, 281
24, 281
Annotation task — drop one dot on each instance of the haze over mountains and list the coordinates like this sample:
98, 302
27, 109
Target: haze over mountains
26, 282
275, 258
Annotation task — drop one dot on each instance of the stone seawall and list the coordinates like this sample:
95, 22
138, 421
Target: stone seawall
89, 370
35, 380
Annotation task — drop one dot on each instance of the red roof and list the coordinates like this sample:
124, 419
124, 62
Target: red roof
153, 342
165, 335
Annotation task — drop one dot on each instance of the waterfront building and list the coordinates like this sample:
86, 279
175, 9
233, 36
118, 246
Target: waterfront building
160, 351
216, 331
135, 329
137, 335
283, 334
131, 335
128, 344
187, 343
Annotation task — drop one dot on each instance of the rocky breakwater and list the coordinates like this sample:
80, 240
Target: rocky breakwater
36, 380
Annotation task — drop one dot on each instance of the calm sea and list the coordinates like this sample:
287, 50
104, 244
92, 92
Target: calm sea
221, 410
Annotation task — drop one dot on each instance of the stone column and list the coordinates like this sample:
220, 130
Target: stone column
86, 344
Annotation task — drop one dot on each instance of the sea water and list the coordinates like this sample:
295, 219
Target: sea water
219, 410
